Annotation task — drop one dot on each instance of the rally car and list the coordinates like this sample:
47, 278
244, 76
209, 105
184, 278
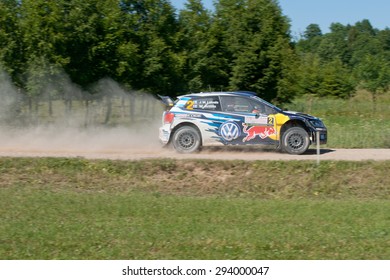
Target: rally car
236, 118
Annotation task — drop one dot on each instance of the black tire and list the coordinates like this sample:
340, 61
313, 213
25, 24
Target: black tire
186, 140
295, 140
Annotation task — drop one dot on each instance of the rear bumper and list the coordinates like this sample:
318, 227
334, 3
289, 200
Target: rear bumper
164, 134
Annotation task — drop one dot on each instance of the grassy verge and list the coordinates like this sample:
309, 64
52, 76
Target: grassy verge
352, 123
170, 209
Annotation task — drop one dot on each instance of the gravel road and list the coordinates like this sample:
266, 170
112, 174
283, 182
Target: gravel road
210, 153
124, 144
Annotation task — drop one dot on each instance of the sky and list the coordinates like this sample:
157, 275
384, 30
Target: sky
324, 12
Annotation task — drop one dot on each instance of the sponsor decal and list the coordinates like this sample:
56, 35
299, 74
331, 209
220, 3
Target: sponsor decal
229, 131
253, 131
205, 104
202, 104
182, 115
194, 115
257, 120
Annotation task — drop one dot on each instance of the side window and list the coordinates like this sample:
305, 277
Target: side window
238, 104
209, 103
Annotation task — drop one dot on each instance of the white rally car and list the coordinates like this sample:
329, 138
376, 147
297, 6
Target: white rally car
236, 118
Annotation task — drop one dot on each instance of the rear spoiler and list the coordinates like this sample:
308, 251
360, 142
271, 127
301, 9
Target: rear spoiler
167, 101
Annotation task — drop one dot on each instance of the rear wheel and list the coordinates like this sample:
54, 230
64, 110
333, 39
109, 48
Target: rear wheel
295, 140
186, 139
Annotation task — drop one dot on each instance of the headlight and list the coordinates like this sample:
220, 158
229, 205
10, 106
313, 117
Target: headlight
317, 123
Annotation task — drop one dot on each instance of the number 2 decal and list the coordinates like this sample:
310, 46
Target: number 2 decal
190, 105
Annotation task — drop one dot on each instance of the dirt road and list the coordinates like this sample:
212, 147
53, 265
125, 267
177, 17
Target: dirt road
210, 153
124, 144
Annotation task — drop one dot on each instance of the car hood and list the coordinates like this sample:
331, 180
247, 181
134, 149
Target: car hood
299, 114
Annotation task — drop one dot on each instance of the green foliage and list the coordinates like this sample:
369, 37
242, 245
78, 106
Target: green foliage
334, 64
255, 35
320, 78
312, 31
337, 80
146, 45
10, 44
91, 40
155, 29
198, 47
374, 74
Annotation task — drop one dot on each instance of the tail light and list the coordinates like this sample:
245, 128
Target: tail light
168, 117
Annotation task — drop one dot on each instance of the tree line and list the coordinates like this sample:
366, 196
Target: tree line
147, 45
346, 58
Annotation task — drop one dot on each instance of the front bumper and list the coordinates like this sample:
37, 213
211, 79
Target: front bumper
323, 134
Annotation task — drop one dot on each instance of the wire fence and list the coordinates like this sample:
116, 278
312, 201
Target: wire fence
108, 110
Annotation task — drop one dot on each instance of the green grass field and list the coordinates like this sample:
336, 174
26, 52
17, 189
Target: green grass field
171, 209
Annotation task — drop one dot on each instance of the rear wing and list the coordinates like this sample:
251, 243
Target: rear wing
167, 101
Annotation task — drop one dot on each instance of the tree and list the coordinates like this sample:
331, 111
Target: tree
312, 31
337, 80
93, 35
320, 78
257, 42
11, 59
339, 58
374, 76
42, 31
334, 45
363, 41
384, 39
155, 27
8, 24
309, 77
311, 39
40, 35
204, 66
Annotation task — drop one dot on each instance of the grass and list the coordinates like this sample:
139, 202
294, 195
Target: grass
172, 209
48, 225
352, 123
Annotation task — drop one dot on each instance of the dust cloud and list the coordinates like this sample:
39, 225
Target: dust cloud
62, 117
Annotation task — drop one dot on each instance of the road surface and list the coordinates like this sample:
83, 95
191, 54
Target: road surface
224, 153
125, 144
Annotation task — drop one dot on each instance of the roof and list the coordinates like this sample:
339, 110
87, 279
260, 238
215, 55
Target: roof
240, 93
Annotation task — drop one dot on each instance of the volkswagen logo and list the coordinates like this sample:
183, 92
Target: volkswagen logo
229, 131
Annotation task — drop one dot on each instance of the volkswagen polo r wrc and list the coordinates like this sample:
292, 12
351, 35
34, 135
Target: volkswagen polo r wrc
236, 118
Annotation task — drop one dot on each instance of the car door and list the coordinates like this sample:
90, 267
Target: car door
253, 119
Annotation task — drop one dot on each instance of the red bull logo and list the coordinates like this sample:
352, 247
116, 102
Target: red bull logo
253, 131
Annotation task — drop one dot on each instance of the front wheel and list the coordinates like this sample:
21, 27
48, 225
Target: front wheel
186, 139
295, 141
